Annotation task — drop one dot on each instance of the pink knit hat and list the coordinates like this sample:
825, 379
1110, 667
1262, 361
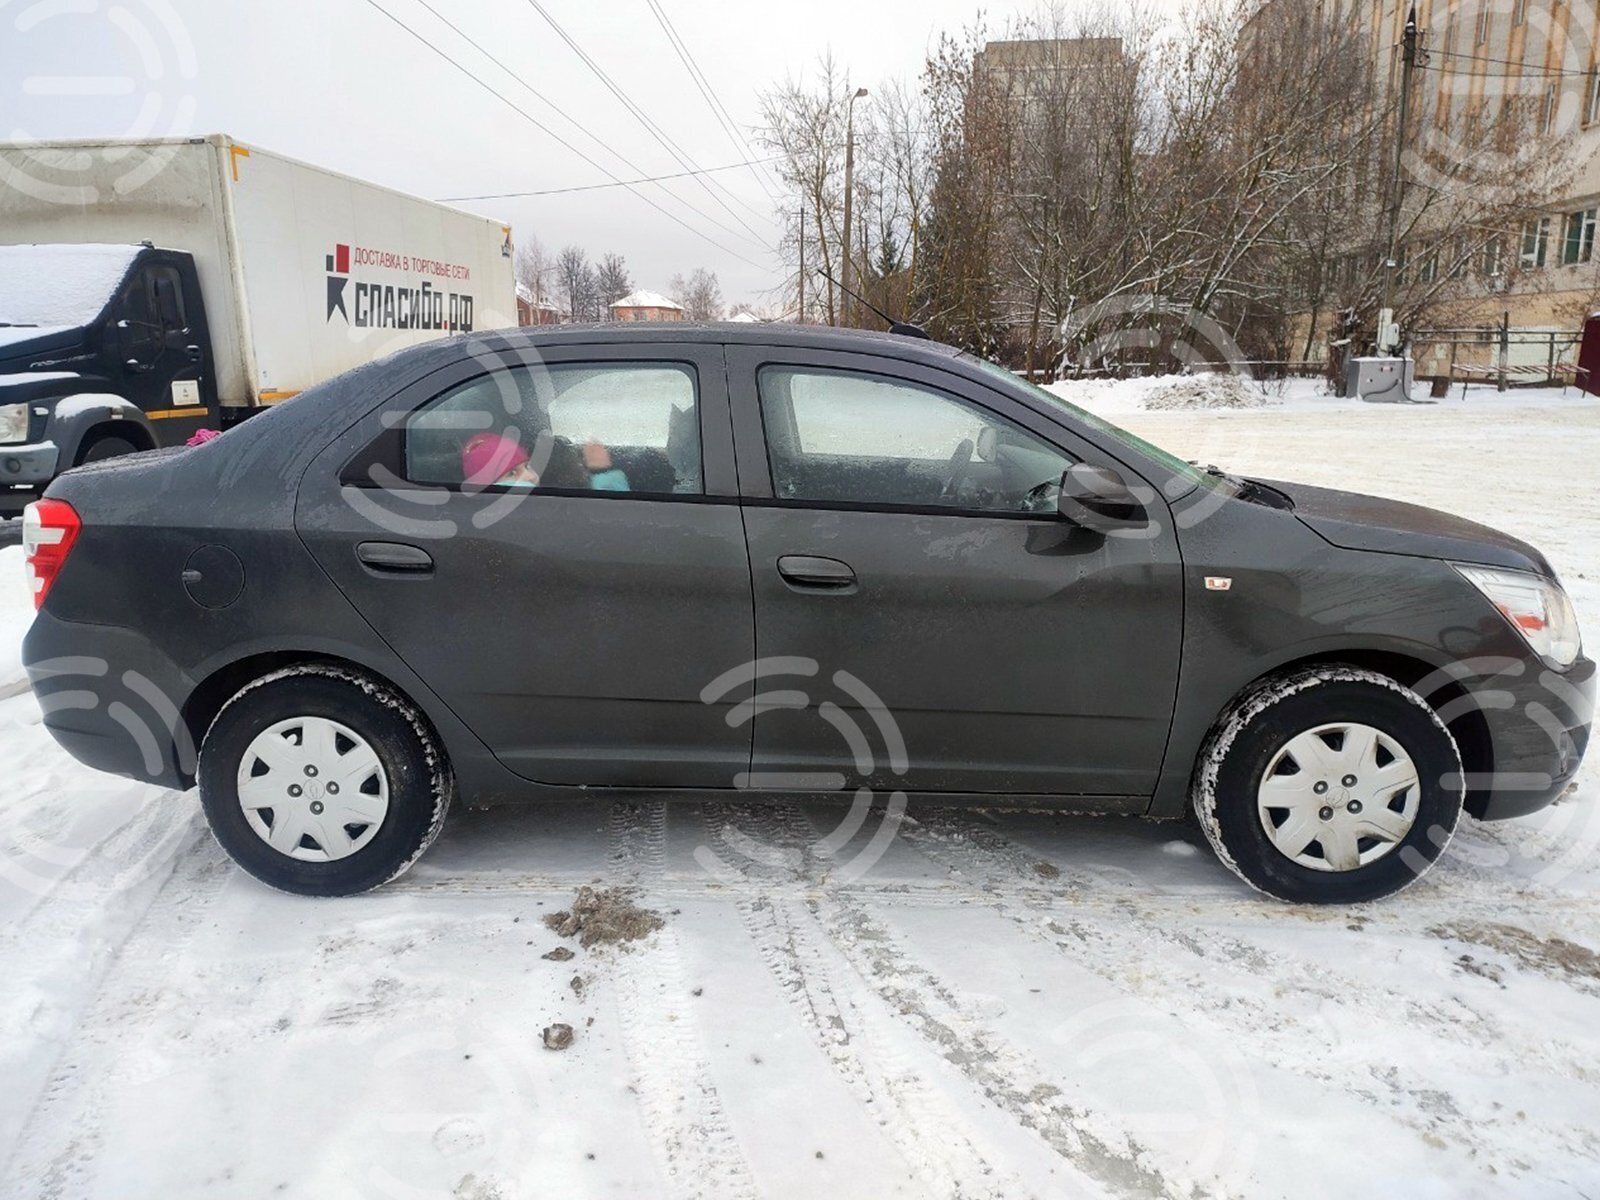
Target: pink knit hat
488, 456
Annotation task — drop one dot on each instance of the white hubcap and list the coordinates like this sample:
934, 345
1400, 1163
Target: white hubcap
313, 789
1339, 796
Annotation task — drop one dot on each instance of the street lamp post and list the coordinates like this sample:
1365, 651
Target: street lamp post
849, 187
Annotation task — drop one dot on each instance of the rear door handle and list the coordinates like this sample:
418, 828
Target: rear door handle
816, 574
394, 558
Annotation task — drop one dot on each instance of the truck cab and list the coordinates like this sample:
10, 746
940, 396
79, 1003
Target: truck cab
104, 350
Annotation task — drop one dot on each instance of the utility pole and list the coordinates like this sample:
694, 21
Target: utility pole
849, 187
1387, 342
802, 262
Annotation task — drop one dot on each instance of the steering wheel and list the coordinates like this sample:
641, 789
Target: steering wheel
1040, 498
956, 472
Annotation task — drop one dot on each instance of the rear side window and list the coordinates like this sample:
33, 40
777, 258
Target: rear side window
620, 427
842, 436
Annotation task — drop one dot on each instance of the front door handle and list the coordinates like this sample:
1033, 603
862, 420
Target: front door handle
394, 558
816, 574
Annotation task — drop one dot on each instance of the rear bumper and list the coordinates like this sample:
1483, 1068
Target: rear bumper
1539, 727
111, 700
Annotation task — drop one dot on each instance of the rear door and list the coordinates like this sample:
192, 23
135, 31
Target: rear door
572, 625
913, 582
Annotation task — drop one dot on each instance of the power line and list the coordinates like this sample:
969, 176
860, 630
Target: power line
1524, 69
592, 187
639, 114
542, 127
741, 144
576, 124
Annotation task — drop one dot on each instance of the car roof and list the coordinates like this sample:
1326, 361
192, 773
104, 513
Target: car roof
776, 333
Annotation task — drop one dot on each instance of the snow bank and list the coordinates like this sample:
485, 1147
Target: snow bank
1206, 391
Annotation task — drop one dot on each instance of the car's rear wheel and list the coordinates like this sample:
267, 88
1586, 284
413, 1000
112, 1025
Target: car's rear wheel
1330, 785
322, 781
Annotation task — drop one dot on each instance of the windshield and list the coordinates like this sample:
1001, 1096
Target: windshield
1099, 424
59, 285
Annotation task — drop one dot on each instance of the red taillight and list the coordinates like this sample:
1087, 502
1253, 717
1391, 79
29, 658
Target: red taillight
49, 527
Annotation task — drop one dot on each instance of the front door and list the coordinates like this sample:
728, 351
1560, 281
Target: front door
555, 547
161, 374
914, 582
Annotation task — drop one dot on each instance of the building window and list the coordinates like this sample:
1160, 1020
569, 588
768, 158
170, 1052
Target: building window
1483, 24
1548, 118
1591, 99
1428, 267
1535, 243
1493, 252
1579, 245
1519, 14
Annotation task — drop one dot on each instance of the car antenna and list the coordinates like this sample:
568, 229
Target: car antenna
903, 328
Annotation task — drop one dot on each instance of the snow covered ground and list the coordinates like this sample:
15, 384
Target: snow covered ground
1006, 1005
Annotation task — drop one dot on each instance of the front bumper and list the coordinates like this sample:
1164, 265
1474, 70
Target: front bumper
1539, 725
32, 465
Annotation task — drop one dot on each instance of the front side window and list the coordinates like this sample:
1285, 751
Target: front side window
617, 427
845, 437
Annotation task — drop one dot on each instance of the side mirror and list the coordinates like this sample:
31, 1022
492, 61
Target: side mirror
1089, 492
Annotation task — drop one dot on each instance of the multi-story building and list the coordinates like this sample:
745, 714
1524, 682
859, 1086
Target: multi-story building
1532, 64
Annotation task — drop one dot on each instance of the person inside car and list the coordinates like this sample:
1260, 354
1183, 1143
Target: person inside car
603, 476
493, 458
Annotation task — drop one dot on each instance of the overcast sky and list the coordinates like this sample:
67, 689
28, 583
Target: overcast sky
337, 83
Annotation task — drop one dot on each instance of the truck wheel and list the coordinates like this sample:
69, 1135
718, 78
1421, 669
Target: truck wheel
109, 446
1330, 785
321, 781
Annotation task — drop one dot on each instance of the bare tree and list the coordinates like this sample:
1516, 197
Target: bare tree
612, 283
534, 269
576, 281
700, 294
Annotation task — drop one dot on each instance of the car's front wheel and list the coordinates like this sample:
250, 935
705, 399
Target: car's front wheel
322, 781
1329, 785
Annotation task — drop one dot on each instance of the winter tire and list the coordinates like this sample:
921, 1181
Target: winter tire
323, 782
1331, 785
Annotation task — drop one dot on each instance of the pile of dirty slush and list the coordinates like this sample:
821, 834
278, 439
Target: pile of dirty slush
604, 917
1218, 390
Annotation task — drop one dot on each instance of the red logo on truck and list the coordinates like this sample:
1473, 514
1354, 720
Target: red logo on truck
398, 306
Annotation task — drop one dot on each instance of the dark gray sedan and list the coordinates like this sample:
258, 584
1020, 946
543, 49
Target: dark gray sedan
509, 567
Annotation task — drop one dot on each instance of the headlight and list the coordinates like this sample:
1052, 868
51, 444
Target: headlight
1536, 607
13, 423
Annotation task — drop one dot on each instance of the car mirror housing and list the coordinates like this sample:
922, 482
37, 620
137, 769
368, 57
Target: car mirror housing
1091, 495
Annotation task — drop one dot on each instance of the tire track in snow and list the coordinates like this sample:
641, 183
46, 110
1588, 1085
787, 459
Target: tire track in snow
56, 1150
915, 1117
699, 1153
917, 999
991, 863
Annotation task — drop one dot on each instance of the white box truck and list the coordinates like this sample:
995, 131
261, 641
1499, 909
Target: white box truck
149, 288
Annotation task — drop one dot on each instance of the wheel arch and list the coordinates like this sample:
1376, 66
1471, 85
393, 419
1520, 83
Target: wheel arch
1455, 705
217, 688
76, 420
